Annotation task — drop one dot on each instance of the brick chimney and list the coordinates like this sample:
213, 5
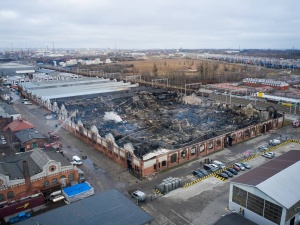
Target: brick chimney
26, 176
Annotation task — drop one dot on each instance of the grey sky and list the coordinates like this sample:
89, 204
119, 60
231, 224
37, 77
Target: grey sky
150, 23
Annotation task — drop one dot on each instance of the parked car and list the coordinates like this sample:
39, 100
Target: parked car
274, 142
262, 148
27, 103
24, 100
246, 165
241, 167
236, 168
3, 142
139, 195
197, 173
203, 171
209, 168
224, 175
200, 175
233, 171
269, 155
2, 137
76, 160
229, 174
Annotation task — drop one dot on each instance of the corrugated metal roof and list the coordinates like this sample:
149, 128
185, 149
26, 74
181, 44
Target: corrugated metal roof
276, 178
234, 219
110, 207
29, 134
24, 71
62, 89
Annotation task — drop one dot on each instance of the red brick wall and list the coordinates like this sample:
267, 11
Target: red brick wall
38, 184
210, 146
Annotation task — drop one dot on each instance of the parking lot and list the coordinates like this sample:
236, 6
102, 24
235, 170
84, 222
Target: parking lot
202, 203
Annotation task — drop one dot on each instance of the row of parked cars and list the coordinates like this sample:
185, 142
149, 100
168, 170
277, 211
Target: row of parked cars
218, 166
234, 170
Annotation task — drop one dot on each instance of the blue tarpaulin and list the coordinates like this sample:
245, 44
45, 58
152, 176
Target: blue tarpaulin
77, 189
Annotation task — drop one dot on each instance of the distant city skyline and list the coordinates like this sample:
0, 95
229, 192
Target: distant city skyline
156, 24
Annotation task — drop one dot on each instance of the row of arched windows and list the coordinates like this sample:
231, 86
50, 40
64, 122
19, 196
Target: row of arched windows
54, 181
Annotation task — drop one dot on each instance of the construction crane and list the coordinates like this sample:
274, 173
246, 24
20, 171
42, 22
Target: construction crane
53, 133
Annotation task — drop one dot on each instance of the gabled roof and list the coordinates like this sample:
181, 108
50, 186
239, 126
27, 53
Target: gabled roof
28, 134
18, 125
276, 178
13, 165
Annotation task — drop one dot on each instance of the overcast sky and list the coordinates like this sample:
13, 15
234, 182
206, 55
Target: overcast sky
144, 24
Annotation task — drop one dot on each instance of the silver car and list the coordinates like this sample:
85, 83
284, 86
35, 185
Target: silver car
269, 155
239, 165
246, 165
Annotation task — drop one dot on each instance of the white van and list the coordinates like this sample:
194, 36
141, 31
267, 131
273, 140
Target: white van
274, 142
219, 164
76, 160
27, 103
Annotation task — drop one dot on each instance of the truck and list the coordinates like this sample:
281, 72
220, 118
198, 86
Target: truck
21, 216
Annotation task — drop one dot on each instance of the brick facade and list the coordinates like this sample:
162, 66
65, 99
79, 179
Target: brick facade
126, 158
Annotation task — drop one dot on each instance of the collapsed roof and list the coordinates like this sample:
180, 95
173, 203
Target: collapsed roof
153, 119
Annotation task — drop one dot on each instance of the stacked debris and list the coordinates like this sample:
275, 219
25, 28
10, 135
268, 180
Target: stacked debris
156, 118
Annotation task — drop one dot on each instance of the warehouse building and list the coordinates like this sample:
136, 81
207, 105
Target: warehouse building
14, 68
269, 194
110, 207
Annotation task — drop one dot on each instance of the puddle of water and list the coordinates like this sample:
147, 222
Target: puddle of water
91, 165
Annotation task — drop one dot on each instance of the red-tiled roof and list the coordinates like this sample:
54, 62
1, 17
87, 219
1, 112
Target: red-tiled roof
18, 125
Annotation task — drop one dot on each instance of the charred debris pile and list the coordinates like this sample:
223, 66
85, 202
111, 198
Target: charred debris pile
158, 119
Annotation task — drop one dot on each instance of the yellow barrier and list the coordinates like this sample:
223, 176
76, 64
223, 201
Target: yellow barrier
244, 160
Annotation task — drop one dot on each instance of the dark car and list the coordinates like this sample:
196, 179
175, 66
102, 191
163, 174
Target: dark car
224, 175
195, 172
198, 174
203, 171
229, 174
233, 171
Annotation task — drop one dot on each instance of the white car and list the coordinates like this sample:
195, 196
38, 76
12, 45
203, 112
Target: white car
76, 160
262, 148
27, 103
3, 142
269, 155
240, 166
139, 195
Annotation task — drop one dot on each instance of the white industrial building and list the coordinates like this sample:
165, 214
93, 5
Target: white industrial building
43, 92
270, 193
14, 68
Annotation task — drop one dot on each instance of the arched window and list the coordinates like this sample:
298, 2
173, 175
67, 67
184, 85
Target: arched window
46, 183
71, 177
54, 181
62, 177
2, 198
173, 158
10, 194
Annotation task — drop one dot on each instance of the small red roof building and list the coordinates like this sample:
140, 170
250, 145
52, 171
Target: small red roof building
18, 125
